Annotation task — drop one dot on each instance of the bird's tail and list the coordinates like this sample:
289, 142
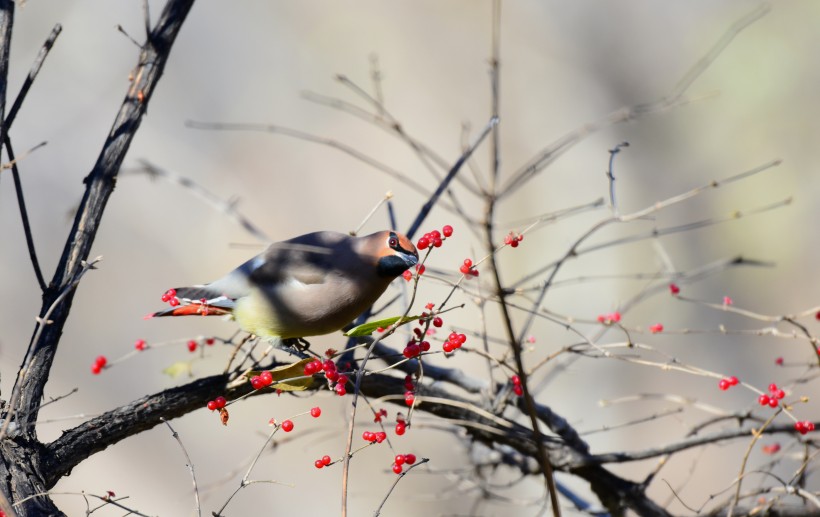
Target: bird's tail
196, 301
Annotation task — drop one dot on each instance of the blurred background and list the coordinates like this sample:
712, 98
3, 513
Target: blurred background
563, 64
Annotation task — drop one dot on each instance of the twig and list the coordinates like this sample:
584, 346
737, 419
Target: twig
21, 203
226, 206
395, 483
188, 463
674, 99
447, 179
611, 176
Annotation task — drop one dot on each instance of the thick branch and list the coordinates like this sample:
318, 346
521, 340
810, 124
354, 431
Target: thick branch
99, 186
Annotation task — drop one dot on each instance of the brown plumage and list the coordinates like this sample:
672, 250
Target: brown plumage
310, 285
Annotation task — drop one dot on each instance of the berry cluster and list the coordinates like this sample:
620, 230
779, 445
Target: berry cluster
516, 382
804, 427
468, 269
434, 238
322, 462
409, 391
415, 348
401, 425
99, 364
331, 374
262, 380
610, 318
512, 239
773, 398
370, 436
454, 341
727, 382
217, 403
170, 297
402, 459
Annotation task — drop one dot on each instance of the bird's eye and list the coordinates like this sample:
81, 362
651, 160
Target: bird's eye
393, 242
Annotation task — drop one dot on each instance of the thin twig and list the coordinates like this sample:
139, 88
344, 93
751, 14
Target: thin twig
395, 483
188, 463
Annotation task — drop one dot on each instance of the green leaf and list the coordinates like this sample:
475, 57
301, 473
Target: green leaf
177, 369
290, 377
365, 329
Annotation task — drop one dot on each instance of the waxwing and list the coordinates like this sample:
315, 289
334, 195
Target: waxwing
307, 286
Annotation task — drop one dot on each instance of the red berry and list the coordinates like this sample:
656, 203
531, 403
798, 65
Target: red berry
318, 464
257, 383
771, 449
437, 322
462, 339
773, 402
733, 380
508, 239
328, 366
397, 468
411, 350
423, 243
763, 400
211, 405
772, 387
192, 346
448, 347
409, 458
326, 460
518, 390
727, 300
381, 436
779, 361
173, 302
316, 412
332, 375
287, 426
656, 328
465, 270
724, 384
437, 243
401, 427
516, 380
779, 394
96, 369
399, 459
140, 345
101, 360
674, 289
409, 398
420, 269
210, 341
220, 402
425, 346
468, 263
342, 379
435, 234
407, 275
266, 377
340, 390
369, 436
447, 230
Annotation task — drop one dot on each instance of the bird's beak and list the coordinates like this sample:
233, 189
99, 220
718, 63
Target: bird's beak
409, 259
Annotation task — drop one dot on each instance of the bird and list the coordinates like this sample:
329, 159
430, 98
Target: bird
310, 285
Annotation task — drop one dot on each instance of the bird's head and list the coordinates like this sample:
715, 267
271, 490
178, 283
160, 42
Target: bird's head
395, 253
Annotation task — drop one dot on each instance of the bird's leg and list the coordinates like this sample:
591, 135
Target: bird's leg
296, 346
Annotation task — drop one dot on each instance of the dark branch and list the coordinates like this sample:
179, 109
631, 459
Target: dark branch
99, 186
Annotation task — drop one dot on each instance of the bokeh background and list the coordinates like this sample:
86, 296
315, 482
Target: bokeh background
563, 64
